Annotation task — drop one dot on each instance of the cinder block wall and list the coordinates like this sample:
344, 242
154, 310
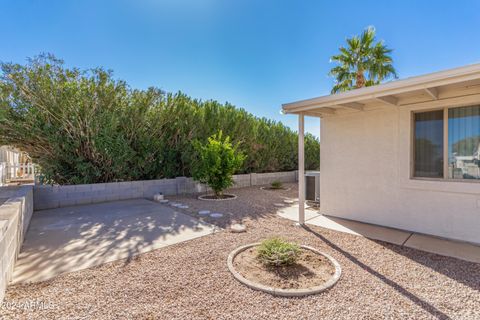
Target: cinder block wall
49, 197
15, 215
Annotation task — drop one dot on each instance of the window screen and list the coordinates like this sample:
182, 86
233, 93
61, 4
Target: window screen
428, 146
464, 143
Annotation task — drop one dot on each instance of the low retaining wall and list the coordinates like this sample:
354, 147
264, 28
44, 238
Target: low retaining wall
16, 208
49, 197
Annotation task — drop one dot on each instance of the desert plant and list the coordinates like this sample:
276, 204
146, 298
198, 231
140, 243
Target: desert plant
276, 185
217, 161
277, 252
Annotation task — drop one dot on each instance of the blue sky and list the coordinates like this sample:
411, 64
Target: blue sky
253, 54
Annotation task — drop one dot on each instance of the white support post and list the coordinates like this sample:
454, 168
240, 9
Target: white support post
301, 170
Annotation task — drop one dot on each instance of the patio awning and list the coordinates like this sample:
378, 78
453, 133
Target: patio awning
419, 90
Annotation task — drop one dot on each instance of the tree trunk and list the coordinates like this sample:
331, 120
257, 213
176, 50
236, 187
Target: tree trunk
218, 193
360, 81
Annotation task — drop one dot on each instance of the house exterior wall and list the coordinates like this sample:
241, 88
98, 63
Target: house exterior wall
365, 164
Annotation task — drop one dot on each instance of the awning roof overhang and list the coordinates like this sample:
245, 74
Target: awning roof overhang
447, 84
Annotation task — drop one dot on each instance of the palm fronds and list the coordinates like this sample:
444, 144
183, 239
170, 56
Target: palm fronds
363, 62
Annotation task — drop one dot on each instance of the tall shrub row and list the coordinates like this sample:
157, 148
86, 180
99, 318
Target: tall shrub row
83, 126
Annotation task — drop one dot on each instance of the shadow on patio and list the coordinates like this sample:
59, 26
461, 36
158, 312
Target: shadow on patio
74, 238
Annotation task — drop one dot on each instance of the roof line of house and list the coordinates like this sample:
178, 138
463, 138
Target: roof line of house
385, 91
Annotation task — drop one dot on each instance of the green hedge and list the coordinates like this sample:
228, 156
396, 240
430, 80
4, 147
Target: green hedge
82, 126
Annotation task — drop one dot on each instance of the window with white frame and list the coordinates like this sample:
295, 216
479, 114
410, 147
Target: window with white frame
447, 143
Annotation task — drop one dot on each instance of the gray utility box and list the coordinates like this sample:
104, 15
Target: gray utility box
312, 185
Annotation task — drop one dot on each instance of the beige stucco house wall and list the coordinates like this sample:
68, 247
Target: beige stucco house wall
365, 176
367, 154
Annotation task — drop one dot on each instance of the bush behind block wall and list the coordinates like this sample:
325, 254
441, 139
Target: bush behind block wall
83, 126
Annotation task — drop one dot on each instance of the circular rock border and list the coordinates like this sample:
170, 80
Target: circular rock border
284, 292
202, 197
279, 189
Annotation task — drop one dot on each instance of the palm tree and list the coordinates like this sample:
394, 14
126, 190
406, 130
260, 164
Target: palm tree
362, 63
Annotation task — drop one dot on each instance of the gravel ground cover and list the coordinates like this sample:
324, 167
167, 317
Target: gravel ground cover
190, 280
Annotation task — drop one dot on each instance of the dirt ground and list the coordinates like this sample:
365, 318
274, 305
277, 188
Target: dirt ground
310, 270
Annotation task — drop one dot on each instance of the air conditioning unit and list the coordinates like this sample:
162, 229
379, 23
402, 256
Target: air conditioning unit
312, 186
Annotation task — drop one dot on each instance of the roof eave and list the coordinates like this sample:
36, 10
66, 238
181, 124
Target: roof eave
432, 80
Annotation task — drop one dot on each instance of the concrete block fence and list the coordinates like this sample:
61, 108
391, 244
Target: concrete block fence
49, 197
15, 215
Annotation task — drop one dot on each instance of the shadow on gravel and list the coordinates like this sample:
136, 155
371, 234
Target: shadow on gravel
252, 203
418, 301
467, 273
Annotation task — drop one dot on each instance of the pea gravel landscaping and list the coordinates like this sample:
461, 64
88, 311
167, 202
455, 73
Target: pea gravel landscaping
190, 280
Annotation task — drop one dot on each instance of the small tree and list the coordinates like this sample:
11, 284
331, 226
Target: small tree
217, 161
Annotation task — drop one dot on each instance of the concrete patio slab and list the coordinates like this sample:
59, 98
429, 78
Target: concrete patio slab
460, 250
450, 248
364, 229
291, 213
329, 223
74, 238
313, 217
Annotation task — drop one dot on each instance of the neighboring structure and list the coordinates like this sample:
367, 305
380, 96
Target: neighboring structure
15, 166
9, 154
403, 154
